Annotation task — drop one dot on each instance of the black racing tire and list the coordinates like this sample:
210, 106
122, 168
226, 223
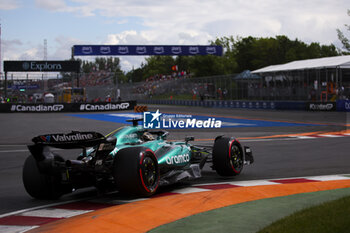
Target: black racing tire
136, 171
227, 156
39, 185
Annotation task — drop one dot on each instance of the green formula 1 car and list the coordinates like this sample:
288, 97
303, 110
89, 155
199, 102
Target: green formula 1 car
131, 159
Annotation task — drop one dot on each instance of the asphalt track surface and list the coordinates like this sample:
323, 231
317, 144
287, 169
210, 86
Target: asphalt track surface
280, 157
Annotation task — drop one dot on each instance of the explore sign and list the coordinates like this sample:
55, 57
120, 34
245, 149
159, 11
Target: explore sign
42, 66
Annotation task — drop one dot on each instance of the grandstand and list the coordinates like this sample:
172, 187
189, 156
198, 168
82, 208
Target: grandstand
321, 79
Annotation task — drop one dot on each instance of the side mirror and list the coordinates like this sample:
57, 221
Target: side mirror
189, 138
112, 140
108, 145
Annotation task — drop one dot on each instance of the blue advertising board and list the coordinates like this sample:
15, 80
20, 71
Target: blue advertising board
343, 105
27, 87
146, 50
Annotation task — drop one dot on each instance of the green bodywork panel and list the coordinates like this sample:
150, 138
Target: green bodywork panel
167, 153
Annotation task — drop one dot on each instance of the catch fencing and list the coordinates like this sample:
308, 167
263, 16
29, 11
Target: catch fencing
219, 88
101, 86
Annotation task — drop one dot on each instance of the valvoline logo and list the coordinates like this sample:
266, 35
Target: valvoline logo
46, 138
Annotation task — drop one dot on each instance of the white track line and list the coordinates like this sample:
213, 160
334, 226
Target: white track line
51, 211
18, 212
252, 183
13, 151
194, 189
305, 137
55, 213
330, 135
15, 229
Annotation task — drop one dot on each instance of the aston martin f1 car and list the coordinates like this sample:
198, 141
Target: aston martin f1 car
130, 159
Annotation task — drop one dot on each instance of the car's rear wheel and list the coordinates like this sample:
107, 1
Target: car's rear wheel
136, 171
39, 185
227, 156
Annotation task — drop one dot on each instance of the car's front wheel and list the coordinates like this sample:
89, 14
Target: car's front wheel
136, 171
228, 157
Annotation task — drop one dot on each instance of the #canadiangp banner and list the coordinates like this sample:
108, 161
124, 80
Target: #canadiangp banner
67, 107
146, 50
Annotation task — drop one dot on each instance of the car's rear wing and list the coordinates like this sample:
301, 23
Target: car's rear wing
73, 140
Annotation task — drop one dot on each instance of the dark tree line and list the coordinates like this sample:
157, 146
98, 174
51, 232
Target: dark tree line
343, 39
241, 53
248, 53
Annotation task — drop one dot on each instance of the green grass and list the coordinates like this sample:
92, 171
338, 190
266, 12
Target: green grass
332, 217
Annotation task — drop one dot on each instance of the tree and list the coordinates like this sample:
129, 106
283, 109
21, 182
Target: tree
254, 53
248, 53
342, 38
157, 65
208, 65
135, 75
228, 60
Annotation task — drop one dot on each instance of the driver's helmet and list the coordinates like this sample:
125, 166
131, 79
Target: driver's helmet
146, 136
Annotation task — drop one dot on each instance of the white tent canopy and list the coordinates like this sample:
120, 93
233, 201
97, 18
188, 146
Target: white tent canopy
49, 98
318, 63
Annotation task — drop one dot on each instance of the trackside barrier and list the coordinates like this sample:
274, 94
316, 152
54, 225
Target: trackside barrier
343, 105
322, 106
340, 105
273, 105
286, 105
67, 107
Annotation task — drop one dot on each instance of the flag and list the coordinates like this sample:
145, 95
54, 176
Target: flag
174, 68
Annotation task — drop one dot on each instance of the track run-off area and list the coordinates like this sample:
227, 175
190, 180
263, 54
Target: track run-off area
293, 150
